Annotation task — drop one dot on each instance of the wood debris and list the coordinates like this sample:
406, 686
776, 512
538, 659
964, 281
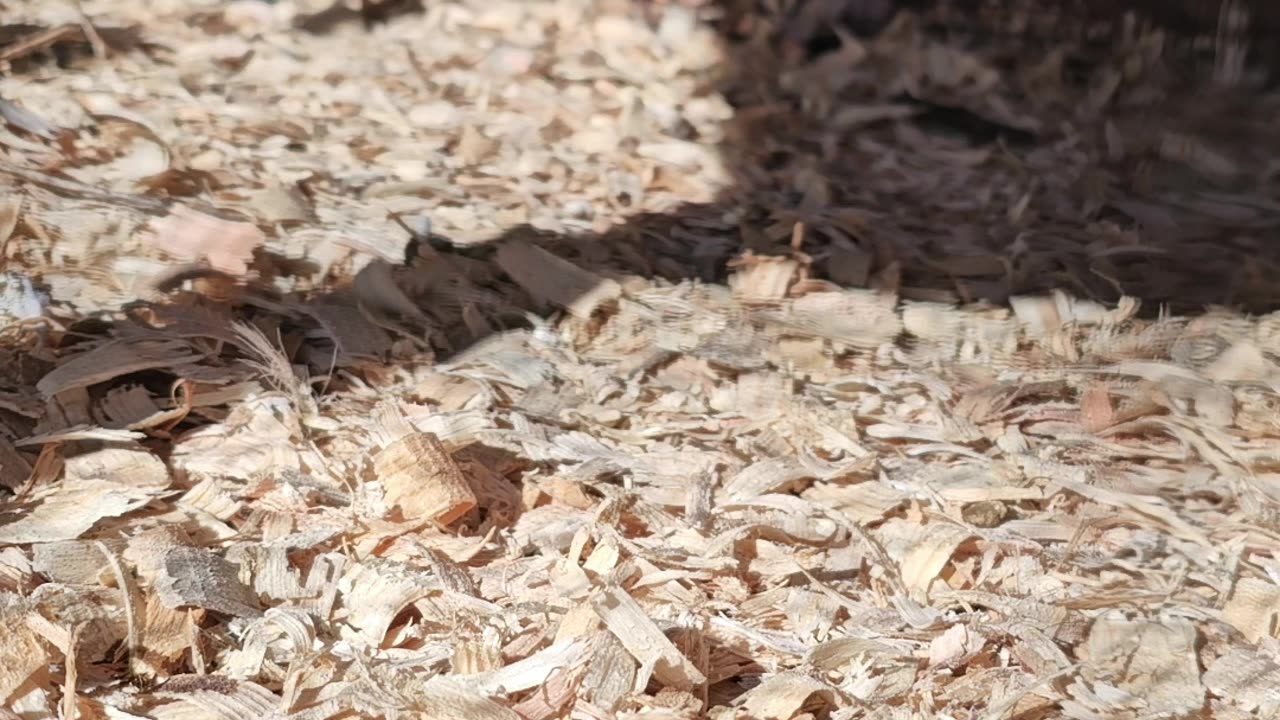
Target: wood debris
418, 474
567, 359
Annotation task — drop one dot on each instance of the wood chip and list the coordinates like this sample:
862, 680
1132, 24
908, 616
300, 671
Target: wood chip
423, 480
647, 644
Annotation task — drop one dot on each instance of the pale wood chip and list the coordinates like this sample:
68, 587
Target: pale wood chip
1253, 608
70, 511
1248, 679
423, 479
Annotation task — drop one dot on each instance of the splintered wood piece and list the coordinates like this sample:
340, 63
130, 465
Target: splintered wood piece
764, 279
422, 478
647, 644
611, 674
22, 656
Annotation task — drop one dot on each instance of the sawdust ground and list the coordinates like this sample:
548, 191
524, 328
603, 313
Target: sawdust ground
570, 359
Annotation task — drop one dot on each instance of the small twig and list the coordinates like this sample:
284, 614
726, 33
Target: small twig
38, 41
91, 33
81, 190
133, 640
72, 188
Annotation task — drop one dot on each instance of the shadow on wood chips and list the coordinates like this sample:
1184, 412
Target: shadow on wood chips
866, 141
1085, 152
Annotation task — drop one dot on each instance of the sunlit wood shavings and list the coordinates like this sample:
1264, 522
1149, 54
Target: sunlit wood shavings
1253, 608
80, 432
418, 474
764, 477
437, 696
530, 672
69, 511
851, 318
20, 301
260, 434
69, 561
559, 693
766, 279
373, 594
1248, 678
260, 644
102, 609
169, 637
925, 561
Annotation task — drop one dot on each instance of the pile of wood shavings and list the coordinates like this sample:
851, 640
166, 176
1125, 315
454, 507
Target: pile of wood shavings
343, 489
1058, 510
